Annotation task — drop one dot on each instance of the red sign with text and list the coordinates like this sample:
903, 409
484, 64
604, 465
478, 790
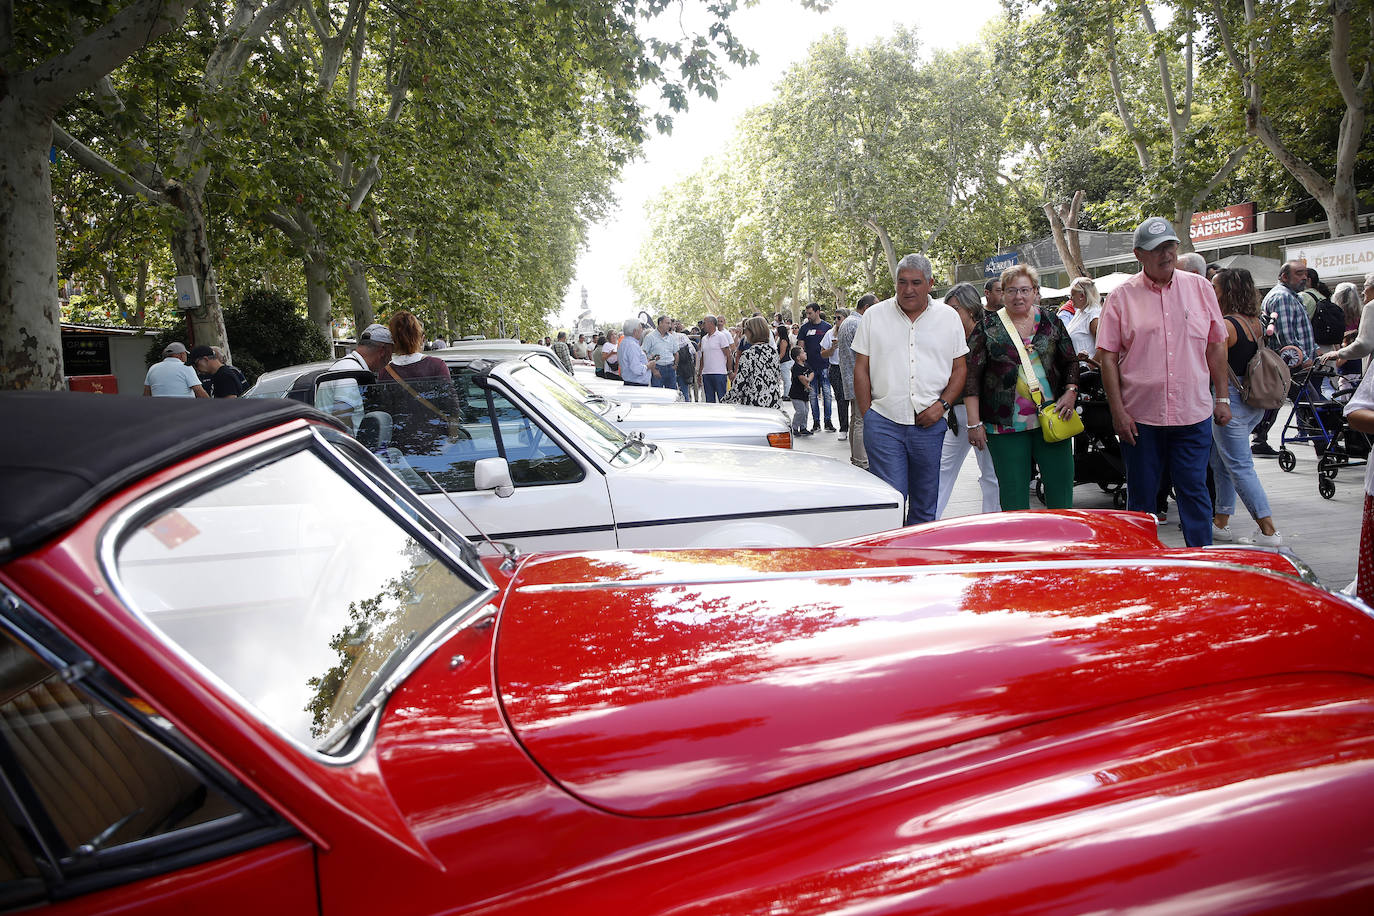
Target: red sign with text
1238, 219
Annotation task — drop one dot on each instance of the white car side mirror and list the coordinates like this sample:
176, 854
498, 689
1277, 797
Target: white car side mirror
493, 474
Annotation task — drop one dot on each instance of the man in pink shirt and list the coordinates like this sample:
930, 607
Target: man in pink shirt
1162, 346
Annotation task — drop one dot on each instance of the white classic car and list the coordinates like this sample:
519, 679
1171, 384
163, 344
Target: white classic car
510, 452
657, 419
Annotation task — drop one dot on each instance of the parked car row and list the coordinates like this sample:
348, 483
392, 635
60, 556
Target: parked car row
245, 669
517, 451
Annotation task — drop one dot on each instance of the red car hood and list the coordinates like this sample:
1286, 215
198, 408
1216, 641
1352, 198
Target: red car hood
671, 682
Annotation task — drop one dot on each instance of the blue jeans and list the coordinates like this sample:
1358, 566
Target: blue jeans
713, 387
669, 382
684, 383
1184, 451
820, 390
907, 458
1233, 467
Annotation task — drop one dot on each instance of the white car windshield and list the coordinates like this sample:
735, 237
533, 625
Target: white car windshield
552, 371
568, 409
294, 589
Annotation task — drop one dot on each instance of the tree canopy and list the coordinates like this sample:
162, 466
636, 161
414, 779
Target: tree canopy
448, 156
1102, 110
442, 155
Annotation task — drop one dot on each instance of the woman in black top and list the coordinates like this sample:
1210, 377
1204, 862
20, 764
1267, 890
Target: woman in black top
1233, 467
784, 358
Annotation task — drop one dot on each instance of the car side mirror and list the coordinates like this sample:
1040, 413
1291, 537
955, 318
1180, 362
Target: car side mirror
493, 474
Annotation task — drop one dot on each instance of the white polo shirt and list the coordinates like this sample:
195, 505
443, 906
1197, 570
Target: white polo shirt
909, 361
171, 378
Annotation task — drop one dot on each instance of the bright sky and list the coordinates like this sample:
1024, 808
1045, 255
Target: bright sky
780, 31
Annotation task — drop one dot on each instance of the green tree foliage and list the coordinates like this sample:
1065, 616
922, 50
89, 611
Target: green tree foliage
1130, 73
864, 154
271, 333
1301, 77
445, 155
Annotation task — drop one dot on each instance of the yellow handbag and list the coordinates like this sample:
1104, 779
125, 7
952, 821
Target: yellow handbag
1052, 426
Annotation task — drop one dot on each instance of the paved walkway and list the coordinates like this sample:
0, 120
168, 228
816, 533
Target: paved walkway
1325, 533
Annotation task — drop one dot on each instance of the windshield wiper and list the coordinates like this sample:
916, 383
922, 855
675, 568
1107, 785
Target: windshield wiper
606, 403
97, 842
635, 438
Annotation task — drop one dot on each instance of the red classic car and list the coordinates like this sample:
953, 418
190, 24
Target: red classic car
245, 670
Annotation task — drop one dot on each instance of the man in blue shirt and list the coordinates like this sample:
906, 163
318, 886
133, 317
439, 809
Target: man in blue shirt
635, 367
812, 333
1291, 326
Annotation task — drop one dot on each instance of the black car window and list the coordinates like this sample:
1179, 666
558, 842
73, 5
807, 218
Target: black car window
87, 790
442, 429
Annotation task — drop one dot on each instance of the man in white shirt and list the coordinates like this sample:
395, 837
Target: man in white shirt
172, 378
717, 363
908, 368
343, 398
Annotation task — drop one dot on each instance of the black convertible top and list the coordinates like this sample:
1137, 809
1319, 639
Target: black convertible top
64, 452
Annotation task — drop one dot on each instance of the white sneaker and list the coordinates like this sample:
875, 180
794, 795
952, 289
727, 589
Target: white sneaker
1222, 534
844, 436
1260, 539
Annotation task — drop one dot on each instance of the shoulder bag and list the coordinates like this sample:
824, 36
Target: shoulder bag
1054, 427
1267, 377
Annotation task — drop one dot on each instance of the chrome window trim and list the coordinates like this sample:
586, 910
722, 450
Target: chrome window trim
127, 519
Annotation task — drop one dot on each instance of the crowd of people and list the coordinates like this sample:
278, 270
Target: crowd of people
915, 382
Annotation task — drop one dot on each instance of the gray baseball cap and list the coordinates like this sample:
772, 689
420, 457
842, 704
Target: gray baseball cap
1152, 233
377, 333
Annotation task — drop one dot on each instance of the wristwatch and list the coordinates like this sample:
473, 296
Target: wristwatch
943, 403
1226, 401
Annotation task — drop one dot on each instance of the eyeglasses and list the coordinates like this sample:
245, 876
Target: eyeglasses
1019, 290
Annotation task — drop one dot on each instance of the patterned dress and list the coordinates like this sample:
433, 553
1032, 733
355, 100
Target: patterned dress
758, 382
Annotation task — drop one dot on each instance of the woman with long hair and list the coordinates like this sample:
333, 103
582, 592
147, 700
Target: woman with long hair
1233, 467
408, 360
1087, 309
417, 390
784, 358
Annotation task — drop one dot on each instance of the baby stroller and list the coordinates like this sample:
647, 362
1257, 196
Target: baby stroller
1318, 417
1096, 451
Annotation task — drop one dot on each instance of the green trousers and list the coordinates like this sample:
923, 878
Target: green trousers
1012, 454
